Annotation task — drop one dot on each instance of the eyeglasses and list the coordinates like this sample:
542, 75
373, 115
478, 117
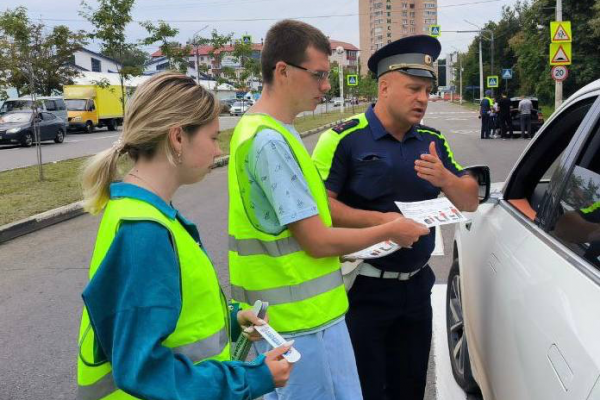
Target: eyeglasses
318, 75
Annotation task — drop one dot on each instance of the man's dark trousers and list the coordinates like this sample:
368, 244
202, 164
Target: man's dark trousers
486, 122
525, 121
506, 126
390, 324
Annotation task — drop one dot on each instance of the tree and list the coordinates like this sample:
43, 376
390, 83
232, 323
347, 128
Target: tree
367, 87
177, 55
30, 56
133, 58
217, 43
109, 21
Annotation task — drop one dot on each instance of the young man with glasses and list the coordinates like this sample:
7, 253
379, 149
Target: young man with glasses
282, 248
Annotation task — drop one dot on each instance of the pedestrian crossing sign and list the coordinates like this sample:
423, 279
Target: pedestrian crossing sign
560, 32
560, 54
352, 80
507, 73
492, 81
435, 30
247, 39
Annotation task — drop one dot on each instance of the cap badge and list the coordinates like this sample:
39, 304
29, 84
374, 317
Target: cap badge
428, 59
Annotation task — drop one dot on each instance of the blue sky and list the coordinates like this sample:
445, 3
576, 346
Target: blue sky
336, 18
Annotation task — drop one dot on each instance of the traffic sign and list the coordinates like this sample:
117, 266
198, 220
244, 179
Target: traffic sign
247, 39
560, 54
559, 73
352, 80
507, 73
492, 81
560, 32
435, 30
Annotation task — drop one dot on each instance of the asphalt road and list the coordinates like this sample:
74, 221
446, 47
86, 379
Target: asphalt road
44, 273
79, 144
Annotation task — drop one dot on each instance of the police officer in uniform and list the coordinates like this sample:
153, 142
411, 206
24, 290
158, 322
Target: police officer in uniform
367, 163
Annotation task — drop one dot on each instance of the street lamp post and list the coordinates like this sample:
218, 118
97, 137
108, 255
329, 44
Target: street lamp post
195, 38
340, 51
460, 91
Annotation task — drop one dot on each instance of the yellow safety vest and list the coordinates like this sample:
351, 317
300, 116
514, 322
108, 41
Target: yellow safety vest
303, 292
202, 330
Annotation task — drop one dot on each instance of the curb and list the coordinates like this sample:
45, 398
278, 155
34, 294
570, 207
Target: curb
60, 214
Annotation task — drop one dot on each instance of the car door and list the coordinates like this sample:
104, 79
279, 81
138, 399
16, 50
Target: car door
518, 296
47, 126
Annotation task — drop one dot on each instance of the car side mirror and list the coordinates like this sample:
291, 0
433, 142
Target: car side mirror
481, 173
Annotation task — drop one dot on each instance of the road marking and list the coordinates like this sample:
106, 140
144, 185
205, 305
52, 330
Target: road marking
445, 386
92, 138
451, 112
465, 131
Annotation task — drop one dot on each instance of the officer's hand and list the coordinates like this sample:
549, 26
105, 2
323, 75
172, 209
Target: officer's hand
405, 231
432, 169
280, 368
247, 319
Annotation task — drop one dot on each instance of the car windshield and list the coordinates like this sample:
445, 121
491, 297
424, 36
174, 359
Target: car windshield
15, 117
76, 104
239, 104
14, 105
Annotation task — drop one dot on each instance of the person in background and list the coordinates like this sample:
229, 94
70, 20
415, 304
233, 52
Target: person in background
506, 127
525, 107
156, 324
485, 110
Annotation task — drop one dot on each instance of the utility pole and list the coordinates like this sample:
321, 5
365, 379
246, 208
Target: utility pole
558, 86
480, 69
459, 59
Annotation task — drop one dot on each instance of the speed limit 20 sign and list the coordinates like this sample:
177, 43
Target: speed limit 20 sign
559, 73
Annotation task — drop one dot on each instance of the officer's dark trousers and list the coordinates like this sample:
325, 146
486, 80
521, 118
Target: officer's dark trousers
506, 126
390, 327
486, 121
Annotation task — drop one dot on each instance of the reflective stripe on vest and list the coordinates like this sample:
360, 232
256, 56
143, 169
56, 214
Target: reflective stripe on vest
289, 294
275, 248
202, 349
303, 292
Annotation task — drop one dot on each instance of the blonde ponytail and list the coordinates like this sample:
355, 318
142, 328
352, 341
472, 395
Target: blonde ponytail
99, 171
164, 101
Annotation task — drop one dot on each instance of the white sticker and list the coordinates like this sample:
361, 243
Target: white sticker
276, 340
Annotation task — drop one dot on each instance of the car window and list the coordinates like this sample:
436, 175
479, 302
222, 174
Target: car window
50, 105
530, 180
60, 105
47, 116
578, 217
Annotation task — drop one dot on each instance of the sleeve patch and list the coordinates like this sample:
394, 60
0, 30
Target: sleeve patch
351, 123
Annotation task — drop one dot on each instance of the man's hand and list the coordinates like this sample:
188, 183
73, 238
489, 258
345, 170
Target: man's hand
247, 319
405, 231
431, 168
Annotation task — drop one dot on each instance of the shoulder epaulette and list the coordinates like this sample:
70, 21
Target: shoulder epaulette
343, 126
428, 128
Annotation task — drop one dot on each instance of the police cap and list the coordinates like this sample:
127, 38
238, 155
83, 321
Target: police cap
412, 55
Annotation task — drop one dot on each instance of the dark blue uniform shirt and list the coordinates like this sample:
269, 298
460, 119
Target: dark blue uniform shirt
371, 169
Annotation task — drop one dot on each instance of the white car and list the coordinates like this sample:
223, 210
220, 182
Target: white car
239, 107
337, 102
523, 301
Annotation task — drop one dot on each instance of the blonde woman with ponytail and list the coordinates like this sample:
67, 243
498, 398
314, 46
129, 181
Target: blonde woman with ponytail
155, 323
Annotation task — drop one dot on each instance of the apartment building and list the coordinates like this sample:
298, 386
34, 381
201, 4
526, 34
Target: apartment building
383, 21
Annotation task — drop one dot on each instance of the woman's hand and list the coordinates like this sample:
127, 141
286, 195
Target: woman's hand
280, 368
247, 319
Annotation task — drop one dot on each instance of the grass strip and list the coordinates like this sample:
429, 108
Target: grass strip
23, 195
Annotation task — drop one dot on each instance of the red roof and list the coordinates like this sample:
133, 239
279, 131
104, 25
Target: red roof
345, 45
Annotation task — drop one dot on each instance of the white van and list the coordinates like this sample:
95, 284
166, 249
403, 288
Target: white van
53, 105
